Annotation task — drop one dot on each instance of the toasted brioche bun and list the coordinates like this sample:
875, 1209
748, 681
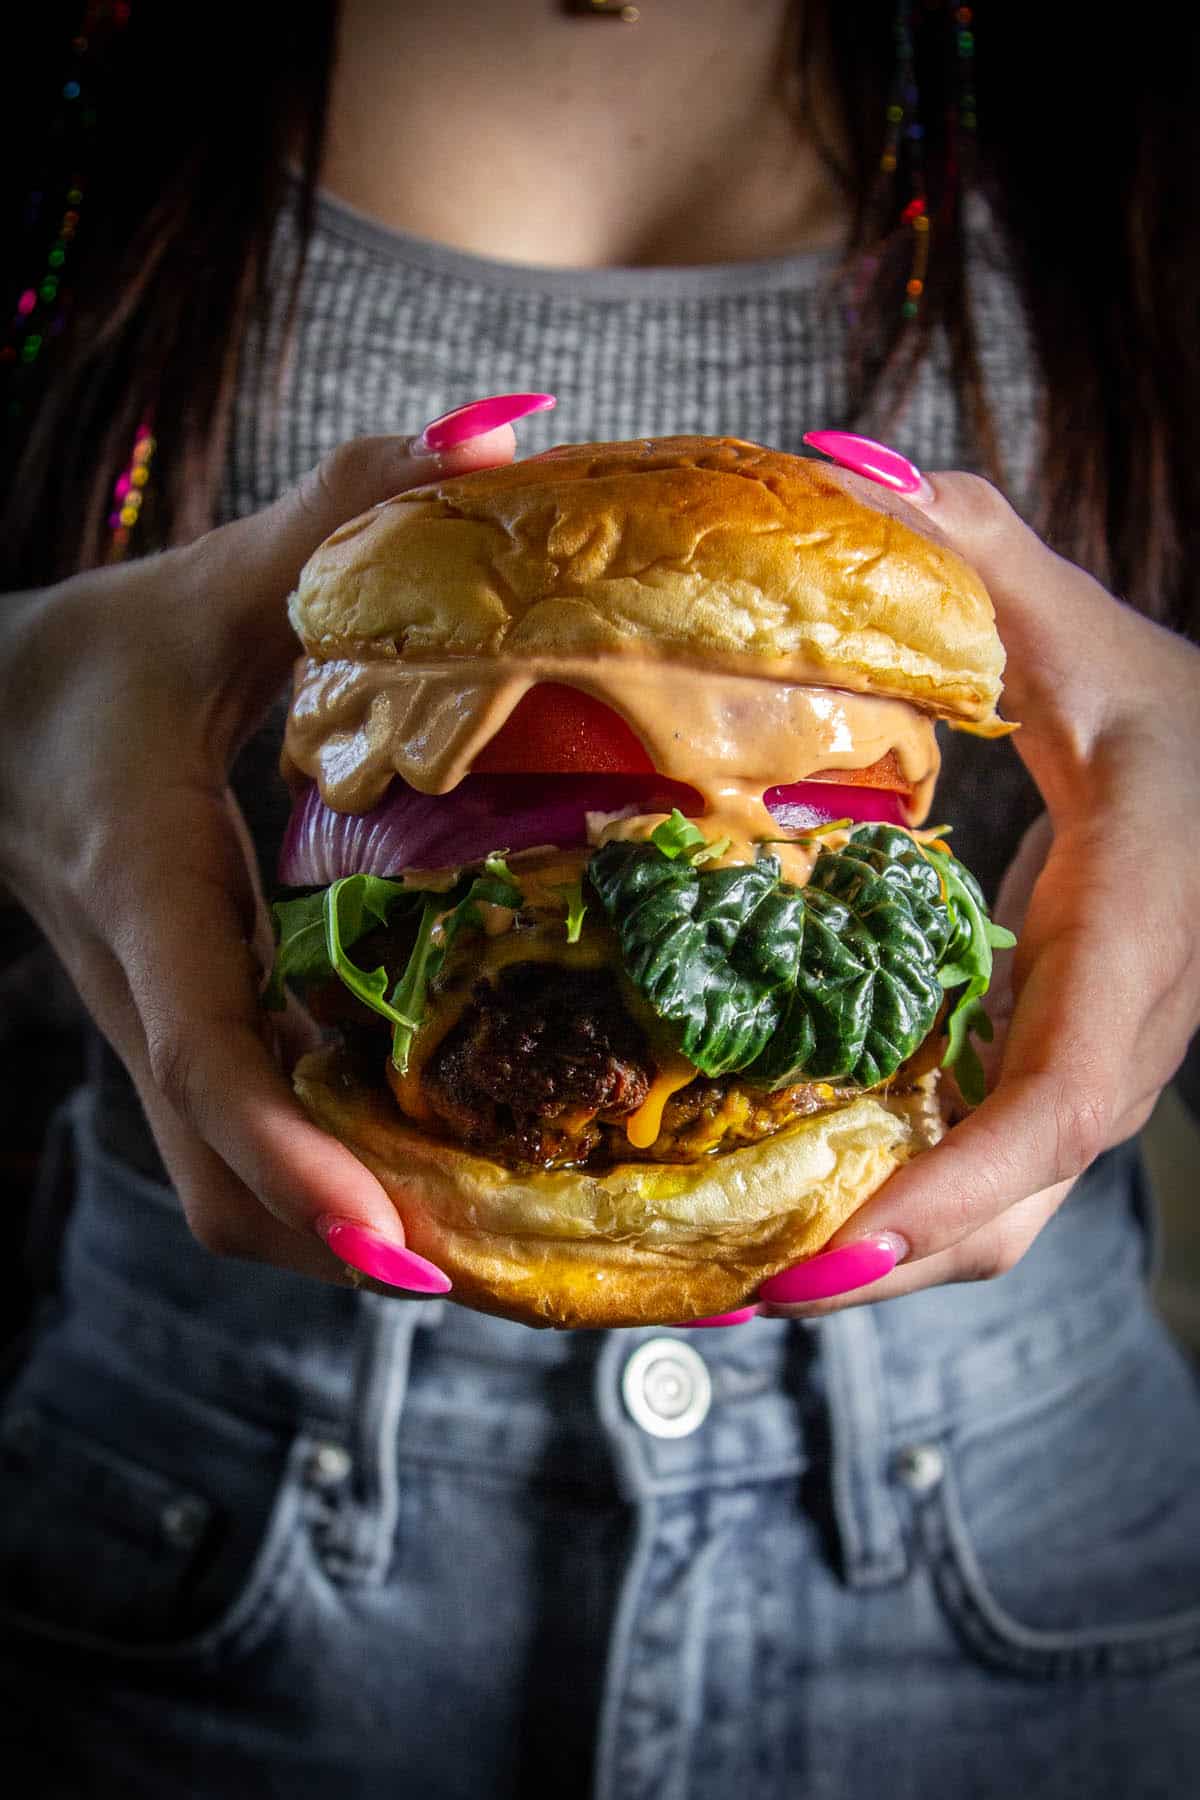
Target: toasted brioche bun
708, 551
643, 1244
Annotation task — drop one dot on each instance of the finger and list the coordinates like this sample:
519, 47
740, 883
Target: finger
292, 1033
1058, 626
241, 572
1016, 888
1037, 1130
1010, 910
220, 1210
193, 980
984, 1256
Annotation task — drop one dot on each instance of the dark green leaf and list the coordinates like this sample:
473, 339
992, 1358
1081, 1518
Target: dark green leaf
839, 980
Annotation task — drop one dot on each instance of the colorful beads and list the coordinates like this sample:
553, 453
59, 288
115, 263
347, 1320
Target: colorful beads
42, 307
129, 491
904, 142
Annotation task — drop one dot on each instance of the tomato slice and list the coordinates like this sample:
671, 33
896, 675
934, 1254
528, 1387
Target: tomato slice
559, 730
886, 773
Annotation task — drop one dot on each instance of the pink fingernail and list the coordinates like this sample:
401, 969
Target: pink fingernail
380, 1259
476, 417
730, 1318
837, 1271
865, 457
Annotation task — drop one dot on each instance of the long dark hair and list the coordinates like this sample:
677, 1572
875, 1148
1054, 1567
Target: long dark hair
1087, 147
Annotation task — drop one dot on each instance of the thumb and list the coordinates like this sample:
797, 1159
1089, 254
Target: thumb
254, 562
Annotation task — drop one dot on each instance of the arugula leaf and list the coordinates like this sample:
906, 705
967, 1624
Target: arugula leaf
710, 852
968, 960
678, 836
299, 946
350, 906
409, 994
496, 866
496, 888
969, 1015
302, 950
317, 931
576, 905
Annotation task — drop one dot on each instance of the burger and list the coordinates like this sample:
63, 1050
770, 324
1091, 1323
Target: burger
637, 963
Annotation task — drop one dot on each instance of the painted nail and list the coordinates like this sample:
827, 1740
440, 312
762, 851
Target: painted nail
382, 1260
865, 457
476, 417
837, 1271
716, 1319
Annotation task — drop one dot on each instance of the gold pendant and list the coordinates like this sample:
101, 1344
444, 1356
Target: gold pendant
606, 9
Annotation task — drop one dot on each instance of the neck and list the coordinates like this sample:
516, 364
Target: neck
521, 131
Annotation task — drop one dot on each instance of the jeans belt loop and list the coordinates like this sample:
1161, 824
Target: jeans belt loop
869, 1528
359, 1546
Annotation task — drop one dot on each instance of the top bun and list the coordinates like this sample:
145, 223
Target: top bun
704, 550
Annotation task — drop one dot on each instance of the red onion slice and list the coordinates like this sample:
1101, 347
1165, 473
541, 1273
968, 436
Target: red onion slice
410, 830
802, 804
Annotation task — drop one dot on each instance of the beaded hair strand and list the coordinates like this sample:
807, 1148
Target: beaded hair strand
168, 255
42, 308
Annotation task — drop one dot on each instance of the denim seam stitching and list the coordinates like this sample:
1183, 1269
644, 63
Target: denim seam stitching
1124, 1647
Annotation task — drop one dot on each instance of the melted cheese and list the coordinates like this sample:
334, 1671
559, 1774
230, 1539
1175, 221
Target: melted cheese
542, 944
644, 1125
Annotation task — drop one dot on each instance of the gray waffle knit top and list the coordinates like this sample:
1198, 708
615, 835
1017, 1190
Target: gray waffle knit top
393, 330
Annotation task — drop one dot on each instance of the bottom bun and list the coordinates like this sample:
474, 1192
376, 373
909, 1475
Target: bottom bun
641, 1244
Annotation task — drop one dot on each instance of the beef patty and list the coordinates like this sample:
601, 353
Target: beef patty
536, 1062
542, 1068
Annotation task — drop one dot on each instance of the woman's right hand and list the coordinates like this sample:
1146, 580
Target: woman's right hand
126, 693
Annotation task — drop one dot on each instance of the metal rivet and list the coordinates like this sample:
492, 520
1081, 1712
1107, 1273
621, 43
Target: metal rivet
329, 1464
920, 1467
667, 1388
183, 1521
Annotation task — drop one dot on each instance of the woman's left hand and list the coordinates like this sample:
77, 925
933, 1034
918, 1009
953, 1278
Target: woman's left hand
1104, 986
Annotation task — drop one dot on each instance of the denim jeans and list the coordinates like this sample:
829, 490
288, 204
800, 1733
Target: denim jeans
264, 1537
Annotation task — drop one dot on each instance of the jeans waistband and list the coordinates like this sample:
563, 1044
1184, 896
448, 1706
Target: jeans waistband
480, 1393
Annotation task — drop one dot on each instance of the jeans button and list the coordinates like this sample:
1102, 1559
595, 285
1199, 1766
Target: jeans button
328, 1465
920, 1467
666, 1387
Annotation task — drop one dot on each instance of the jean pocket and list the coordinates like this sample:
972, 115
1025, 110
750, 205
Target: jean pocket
1066, 1542
103, 1552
